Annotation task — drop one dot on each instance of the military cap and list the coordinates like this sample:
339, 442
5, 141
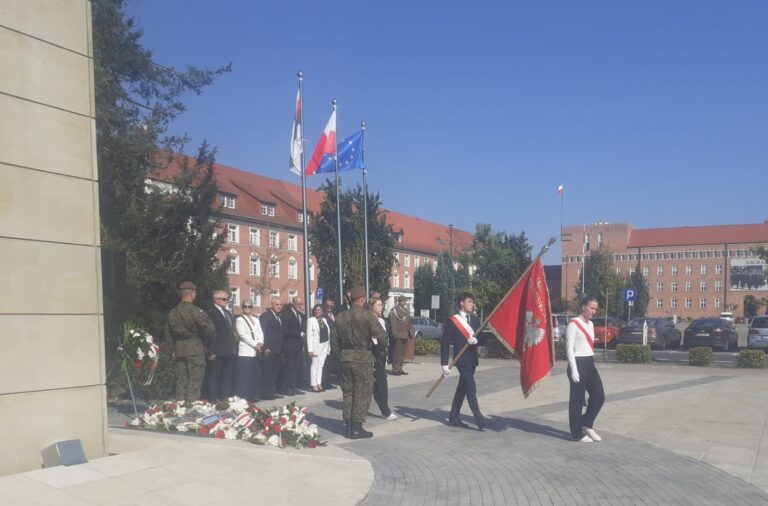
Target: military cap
402, 298
357, 292
187, 285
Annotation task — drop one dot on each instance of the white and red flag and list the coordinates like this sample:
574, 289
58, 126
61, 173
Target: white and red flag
560, 189
325, 151
523, 323
297, 146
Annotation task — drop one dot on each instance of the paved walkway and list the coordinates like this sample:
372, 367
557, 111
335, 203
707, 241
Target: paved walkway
672, 435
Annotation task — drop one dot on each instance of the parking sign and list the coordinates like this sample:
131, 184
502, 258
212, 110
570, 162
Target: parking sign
630, 295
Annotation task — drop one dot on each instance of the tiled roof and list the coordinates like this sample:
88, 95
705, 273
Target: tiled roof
690, 236
253, 189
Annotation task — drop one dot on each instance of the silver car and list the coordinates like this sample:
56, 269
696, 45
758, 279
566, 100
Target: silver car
426, 328
559, 324
758, 333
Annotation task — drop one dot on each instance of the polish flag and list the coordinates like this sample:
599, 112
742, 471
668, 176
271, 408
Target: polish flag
560, 189
326, 147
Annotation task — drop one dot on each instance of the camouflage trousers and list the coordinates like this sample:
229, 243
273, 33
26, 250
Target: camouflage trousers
189, 366
357, 387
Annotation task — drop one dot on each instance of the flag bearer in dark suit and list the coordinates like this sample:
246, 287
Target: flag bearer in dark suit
271, 326
220, 375
458, 331
293, 326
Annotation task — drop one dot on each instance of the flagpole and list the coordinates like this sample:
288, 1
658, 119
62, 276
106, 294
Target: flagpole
307, 304
544, 249
338, 218
365, 212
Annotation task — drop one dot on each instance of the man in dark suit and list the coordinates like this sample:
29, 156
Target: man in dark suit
221, 366
459, 331
294, 322
271, 326
329, 370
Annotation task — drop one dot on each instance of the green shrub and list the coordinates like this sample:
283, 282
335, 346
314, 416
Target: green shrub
700, 356
633, 353
754, 359
496, 350
560, 350
427, 347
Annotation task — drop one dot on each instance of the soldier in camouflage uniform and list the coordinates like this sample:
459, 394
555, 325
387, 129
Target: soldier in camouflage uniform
358, 332
193, 333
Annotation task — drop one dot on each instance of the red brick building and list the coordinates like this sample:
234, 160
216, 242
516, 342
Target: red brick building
265, 239
691, 271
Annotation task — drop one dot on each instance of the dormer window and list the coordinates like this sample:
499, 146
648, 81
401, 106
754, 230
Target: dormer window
267, 209
228, 201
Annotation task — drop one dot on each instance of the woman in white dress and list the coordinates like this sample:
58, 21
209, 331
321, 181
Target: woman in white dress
318, 346
250, 340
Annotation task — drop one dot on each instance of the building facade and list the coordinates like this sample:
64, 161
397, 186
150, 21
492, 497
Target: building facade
690, 271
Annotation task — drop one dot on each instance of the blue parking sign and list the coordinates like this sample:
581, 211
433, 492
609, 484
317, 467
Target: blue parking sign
630, 295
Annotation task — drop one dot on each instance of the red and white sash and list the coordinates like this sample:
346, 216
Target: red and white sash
584, 331
462, 324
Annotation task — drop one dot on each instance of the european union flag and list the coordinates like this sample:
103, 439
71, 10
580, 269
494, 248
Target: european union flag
350, 154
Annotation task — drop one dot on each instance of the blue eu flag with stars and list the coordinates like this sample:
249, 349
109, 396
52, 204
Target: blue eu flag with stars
350, 153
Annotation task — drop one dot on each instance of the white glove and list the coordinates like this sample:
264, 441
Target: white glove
575, 376
446, 370
472, 341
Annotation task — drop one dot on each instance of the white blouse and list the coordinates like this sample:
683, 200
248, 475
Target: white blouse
576, 344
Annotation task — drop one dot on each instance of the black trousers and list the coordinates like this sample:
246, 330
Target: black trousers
380, 388
270, 368
220, 377
291, 369
466, 388
247, 378
589, 382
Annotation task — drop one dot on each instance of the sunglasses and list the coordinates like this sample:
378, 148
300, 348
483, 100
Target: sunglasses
247, 307
222, 298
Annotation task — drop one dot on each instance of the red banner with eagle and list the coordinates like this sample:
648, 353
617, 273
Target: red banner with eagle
523, 323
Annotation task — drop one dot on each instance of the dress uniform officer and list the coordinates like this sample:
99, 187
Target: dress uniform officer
193, 333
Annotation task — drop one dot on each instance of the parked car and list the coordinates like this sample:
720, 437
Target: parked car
727, 315
559, 324
661, 333
758, 333
601, 335
426, 328
715, 332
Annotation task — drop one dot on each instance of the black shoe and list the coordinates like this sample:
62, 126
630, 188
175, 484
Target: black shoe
328, 387
348, 430
455, 422
273, 397
358, 432
298, 392
482, 424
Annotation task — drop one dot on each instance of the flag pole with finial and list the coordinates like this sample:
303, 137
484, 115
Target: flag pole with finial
338, 218
365, 213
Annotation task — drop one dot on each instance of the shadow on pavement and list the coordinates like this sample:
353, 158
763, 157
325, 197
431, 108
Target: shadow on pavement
499, 423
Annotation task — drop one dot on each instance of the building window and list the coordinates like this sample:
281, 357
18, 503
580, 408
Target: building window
407, 260
255, 265
618, 271
311, 271
274, 268
234, 298
292, 242
291, 295
688, 303
256, 297
397, 258
688, 286
300, 217
632, 271
274, 293
688, 270
718, 286
660, 287
233, 233
646, 271
234, 264
274, 239
267, 210
673, 286
254, 236
659, 303
674, 270
718, 269
703, 270
395, 280
703, 303
673, 303
406, 280
599, 239
292, 271
717, 303
703, 286
416, 260
228, 201
660, 270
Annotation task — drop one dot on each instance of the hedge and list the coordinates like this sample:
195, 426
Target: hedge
560, 350
753, 359
427, 347
700, 356
634, 353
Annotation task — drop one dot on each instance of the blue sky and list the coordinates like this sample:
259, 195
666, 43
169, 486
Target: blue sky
653, 113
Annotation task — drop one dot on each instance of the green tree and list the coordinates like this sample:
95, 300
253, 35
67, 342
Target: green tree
602, 281
639, 284
445, 275
499, 259
322, 234
424, 287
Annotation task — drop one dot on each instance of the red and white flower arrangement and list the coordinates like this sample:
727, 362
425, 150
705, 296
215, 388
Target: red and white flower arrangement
234, 419
140, 349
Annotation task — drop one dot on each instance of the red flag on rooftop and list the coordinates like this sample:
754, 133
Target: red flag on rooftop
523, 323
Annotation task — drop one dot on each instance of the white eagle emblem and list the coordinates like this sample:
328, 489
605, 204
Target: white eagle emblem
533, 333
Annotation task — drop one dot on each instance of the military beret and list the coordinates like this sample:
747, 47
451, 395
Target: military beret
187, 285
402, 298
357, 292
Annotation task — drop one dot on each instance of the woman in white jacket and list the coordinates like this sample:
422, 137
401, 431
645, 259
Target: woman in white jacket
318, 346
250, 339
